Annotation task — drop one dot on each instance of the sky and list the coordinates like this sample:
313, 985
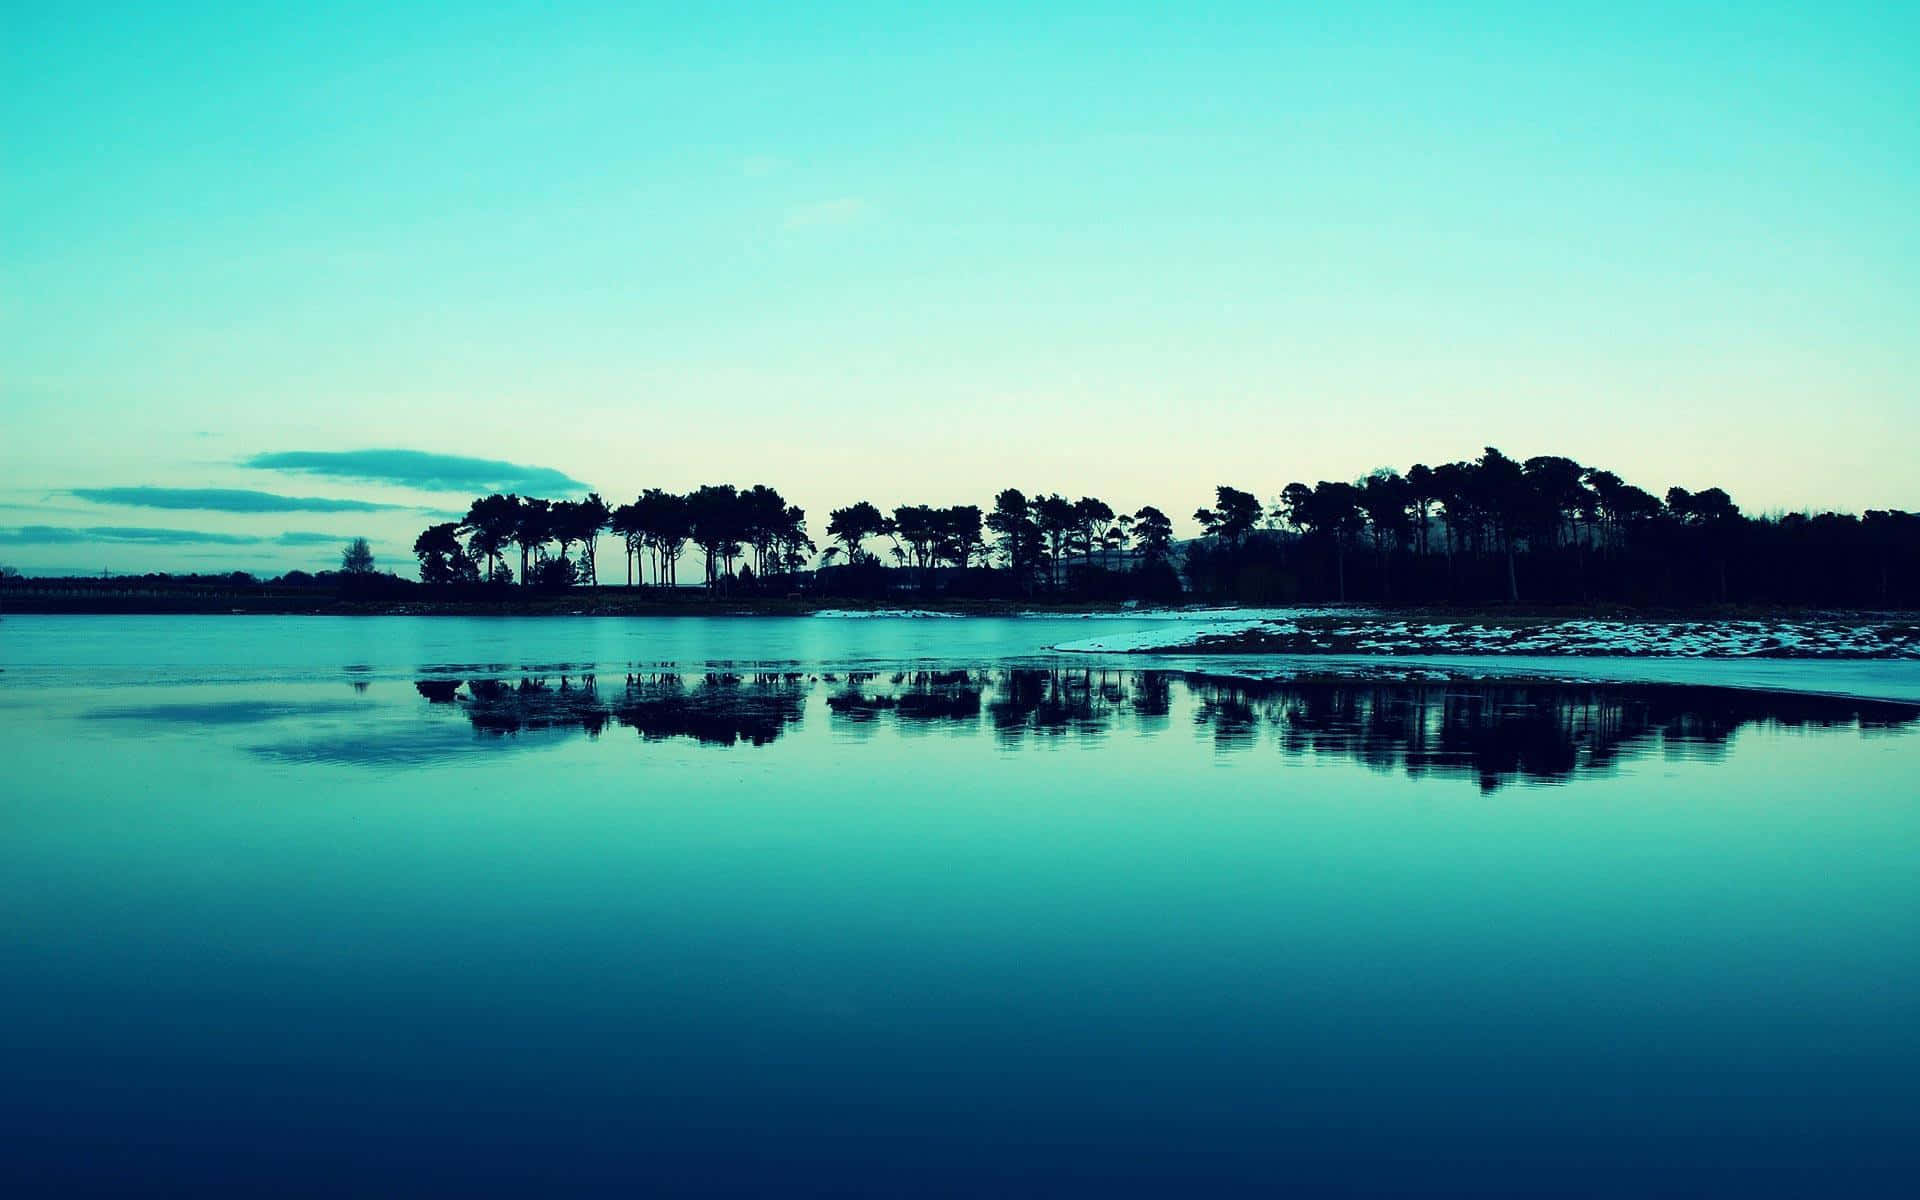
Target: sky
916, 254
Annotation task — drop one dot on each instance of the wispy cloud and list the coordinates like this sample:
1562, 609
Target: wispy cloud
759, 166
74, 535
842, 211
233, 500
42, 509
302, 538
61, 535
420, 469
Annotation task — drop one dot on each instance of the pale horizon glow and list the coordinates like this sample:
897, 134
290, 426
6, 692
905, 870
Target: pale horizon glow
914, 255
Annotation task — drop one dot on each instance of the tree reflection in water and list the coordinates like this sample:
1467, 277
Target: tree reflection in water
917, 701
1490, 731
717, 708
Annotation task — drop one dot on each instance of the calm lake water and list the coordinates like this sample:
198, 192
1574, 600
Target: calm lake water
799, 907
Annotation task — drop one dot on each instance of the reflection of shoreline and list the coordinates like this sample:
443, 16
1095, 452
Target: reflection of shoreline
1490, 730
717, 708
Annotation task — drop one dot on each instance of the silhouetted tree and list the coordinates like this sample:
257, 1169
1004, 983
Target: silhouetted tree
1420, 495
357, 558
1505, 498
717, 523
1712, 520
918, 526
1054, 516
1328, 511
960, 537
1382, 500
1017, 536
1233, 515
532, 530
1152, 534
442, 558
791, 546
624, 522
589, 519
1092, 519
665, 525
1567, 530
561, 520
1118, 536
489, 524
853, 525
763, 518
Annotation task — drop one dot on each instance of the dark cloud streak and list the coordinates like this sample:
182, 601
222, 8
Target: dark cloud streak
124, 535
60, 535
420, 469
296, 538
232, 500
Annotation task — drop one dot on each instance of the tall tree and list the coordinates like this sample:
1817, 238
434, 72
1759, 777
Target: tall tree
532, 529
1233, 515
562, 521
1152, 534
1505, 497
489, 524
1054, 516
664, 525
591, 517
763, 516
960, 537
919, 527
1115, 539
1383, 500
1092, 518
1420, 497
1017, 537
1296, 507
624, 522
717, 521
853, 525
1453, 488
1556, 491
1712, 520
792, 546
442, 558
357, 558
1329, 511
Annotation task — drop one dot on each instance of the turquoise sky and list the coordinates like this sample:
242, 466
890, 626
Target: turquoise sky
918, 255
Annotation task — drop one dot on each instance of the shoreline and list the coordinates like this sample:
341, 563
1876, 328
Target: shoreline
16, 604
614, 602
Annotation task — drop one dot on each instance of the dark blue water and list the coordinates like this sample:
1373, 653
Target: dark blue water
970, 928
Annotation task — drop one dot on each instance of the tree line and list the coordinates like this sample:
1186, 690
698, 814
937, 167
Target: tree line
748, 537
754, 527
1543, 530
1486, 529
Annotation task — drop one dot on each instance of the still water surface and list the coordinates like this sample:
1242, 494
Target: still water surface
429, 912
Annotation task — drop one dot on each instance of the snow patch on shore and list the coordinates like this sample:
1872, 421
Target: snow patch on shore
1231, 615
1690, 639
868, 614
1140, 641
1235, 617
